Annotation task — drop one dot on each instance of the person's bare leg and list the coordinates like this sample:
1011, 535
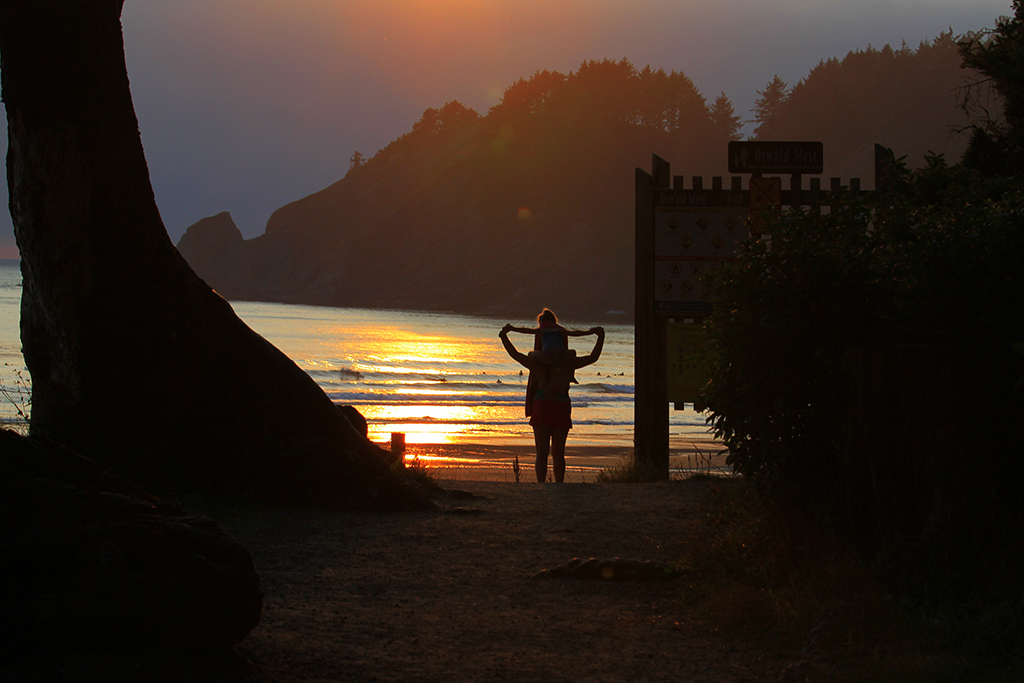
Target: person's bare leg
558, 438
542, 439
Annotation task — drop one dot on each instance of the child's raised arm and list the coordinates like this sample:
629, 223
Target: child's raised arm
522, 330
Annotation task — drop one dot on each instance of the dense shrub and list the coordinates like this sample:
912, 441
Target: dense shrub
863, 362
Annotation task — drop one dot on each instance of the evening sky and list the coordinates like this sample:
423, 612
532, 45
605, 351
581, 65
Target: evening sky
246, 105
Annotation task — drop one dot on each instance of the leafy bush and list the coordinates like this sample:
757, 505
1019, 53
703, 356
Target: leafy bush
862, 361
783, 312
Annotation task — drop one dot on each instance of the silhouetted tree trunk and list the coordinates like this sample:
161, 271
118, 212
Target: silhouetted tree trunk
135, 362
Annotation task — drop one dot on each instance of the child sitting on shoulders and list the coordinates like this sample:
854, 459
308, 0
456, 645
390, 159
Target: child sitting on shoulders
550, 340
550, 345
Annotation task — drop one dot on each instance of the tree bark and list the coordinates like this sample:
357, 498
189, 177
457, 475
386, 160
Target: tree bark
135, 361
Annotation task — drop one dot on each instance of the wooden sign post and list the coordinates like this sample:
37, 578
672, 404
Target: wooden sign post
680, 235
683, 232
650, 399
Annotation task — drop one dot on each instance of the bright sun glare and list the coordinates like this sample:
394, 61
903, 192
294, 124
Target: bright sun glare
421, 424
419, 363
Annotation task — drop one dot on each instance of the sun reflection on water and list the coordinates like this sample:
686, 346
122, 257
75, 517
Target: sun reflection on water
441, 378
423, 367
402, 350
440, 459
436, 392
424, 424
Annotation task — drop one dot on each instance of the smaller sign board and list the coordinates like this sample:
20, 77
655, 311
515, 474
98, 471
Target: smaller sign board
683, 346
795, 158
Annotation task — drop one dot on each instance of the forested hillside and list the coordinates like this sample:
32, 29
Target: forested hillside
905, 99
531, 205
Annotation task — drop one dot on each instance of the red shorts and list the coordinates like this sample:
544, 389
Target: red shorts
552, 414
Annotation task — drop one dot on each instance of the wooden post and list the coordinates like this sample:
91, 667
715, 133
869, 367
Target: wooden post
398, 448
650, 401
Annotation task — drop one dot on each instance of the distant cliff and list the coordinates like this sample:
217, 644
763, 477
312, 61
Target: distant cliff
532, 204
440, 221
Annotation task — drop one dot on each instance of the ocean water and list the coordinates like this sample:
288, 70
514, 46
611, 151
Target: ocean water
15, 383
439, 378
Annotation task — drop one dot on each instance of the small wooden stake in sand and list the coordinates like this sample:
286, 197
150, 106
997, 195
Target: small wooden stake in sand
398, 447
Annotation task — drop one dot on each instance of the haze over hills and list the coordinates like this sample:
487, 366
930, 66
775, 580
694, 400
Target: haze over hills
532, 204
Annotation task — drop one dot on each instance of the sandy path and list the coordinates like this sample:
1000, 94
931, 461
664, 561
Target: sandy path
452, 597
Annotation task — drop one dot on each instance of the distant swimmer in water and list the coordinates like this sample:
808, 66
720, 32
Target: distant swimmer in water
548, 403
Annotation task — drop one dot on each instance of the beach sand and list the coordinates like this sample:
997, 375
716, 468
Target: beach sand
482, 462
453, 594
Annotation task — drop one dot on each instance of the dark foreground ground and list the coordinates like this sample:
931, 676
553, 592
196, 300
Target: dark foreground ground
453, 596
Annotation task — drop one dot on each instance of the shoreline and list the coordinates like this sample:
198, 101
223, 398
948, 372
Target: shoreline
607, 317
494, 462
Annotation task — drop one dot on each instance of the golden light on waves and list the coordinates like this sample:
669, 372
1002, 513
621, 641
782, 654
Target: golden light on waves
421, 424
421, 381
402, 347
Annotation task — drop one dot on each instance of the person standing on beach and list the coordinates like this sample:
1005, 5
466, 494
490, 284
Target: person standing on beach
549, 337
551, 414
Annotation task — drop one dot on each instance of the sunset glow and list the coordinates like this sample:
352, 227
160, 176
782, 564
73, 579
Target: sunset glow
443, 379
402, 350
424, 423
246, 107
429, 382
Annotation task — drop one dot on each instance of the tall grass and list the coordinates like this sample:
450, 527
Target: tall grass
699, 464
630, 470
20, 398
